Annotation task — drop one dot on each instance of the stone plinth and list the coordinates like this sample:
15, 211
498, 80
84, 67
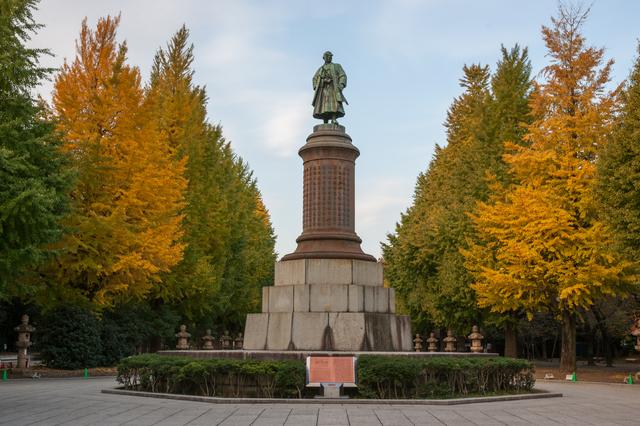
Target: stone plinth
328, 225
328, 271
328, 331
328, 298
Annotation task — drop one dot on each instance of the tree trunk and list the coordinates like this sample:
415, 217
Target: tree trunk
568, 345
606, 337
591, 343
155, 342
510, 340
544, 349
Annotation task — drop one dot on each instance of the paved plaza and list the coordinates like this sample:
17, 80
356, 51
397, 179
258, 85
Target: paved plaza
80, 402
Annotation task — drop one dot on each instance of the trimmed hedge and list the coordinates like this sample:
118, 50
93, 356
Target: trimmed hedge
213, 377
441, 377
383, 377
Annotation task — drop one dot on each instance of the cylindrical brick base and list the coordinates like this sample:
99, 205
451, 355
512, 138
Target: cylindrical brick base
328, 226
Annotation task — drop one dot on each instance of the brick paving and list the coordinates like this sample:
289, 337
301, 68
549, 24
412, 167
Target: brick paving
79, 402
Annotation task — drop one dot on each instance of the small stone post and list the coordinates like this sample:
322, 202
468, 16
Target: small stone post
449, 342
207, 340
417, 343
183, 338
432, 342
225, 340
476, 340
24, 341
238, 341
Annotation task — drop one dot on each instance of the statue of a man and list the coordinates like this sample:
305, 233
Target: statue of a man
328, 83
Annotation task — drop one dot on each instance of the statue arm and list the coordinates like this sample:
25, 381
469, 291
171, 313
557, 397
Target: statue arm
342, 77
316, 79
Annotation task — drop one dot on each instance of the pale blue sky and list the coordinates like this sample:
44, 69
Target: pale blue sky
403, 59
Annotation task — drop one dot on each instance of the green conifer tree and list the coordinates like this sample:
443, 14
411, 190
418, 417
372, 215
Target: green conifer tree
423, 258
32, 181
229, 240
430, 277
618, 184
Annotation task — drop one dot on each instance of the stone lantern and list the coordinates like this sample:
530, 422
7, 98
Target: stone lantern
238, 341
207, 340
183, 338
432, 343
417, 343
24, 340
476, 340
225, 340
449, 342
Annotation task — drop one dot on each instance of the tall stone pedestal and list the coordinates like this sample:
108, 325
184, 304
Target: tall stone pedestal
328, 294
328, 218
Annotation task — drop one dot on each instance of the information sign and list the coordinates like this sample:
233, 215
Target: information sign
331, 369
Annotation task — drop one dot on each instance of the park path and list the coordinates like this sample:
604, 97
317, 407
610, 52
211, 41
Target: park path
79, 402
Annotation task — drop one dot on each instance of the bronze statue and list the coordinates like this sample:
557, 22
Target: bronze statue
328, 83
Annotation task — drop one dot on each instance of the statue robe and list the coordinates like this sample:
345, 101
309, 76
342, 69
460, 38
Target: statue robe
328, 97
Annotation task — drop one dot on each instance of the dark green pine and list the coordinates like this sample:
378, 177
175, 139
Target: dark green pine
33, 181
618, 185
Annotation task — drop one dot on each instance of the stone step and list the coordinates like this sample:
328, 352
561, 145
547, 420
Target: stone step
328, 271
328, 298
324, 331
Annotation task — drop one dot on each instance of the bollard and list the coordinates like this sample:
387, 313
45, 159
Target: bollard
629, 380
86, 373
4, 375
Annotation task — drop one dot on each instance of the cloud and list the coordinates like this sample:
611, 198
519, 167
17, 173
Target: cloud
416, 29
378, 207
288, 120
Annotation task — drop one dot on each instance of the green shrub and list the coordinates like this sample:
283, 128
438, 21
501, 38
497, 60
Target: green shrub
378, 376
69, 338
213, 377
437, 377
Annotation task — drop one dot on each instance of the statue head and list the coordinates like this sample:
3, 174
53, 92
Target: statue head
327, 56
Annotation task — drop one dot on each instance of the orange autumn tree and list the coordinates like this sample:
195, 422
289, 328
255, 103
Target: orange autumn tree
539, 243
125, 223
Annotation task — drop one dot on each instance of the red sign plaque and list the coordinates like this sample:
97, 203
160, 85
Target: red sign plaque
331, 369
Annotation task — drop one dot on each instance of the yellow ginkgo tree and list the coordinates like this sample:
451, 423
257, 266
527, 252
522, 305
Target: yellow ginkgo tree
124, 228
539, 244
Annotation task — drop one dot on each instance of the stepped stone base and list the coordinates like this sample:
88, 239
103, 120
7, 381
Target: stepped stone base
328, 305
327, 331
328, 298
328, 271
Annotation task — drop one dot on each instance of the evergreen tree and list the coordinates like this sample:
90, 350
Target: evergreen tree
33, 184
619, 169
423, 259
229, 240
125, 221
541, 245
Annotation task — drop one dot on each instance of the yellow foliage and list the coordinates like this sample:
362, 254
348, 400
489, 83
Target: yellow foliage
539, 243
125, 223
